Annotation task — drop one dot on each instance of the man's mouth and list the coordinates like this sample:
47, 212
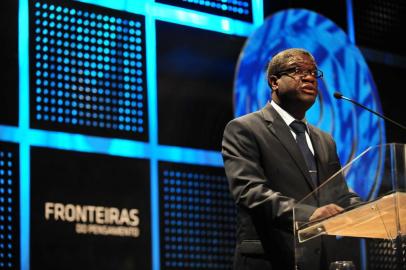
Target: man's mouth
309, 89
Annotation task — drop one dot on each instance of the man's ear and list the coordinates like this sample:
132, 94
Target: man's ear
272, 82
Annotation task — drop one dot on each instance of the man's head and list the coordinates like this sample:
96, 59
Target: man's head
292, 75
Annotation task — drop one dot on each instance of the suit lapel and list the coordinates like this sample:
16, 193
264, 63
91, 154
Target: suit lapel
279, 128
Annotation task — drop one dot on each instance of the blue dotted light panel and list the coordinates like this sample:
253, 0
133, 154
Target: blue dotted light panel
197, 217
87, 70
236, 9
9, 229
381, 254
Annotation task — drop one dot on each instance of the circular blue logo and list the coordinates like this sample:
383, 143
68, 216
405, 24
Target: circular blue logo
345, 70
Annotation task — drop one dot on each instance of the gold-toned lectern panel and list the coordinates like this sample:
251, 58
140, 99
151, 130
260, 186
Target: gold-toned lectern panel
372, 220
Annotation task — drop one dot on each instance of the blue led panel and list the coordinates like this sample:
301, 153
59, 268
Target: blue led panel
9, 206
378, 25
87, 67
236, 9
197, 217
381, 254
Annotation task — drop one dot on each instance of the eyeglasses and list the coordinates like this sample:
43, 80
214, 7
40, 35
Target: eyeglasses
298, 72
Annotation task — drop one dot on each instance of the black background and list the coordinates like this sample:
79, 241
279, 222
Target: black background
195, 84
9, 63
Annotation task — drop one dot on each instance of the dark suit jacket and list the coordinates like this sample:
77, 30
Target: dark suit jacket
267, 175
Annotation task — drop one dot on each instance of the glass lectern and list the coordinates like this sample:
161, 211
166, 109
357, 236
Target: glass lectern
371, 230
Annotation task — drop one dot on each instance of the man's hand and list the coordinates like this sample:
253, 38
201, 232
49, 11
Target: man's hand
326, 211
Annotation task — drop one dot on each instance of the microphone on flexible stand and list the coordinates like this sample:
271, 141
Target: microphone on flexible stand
338, 95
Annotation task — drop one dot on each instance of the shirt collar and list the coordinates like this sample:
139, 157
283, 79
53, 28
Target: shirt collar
287, 118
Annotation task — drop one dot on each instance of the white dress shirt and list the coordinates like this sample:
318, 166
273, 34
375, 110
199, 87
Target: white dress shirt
289, 119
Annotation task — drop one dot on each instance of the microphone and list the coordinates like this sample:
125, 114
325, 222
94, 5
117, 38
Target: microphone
338, 95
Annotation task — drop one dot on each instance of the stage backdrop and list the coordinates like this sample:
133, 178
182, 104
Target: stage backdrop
112, 113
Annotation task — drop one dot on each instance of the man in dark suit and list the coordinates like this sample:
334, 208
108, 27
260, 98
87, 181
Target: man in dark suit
269, 169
